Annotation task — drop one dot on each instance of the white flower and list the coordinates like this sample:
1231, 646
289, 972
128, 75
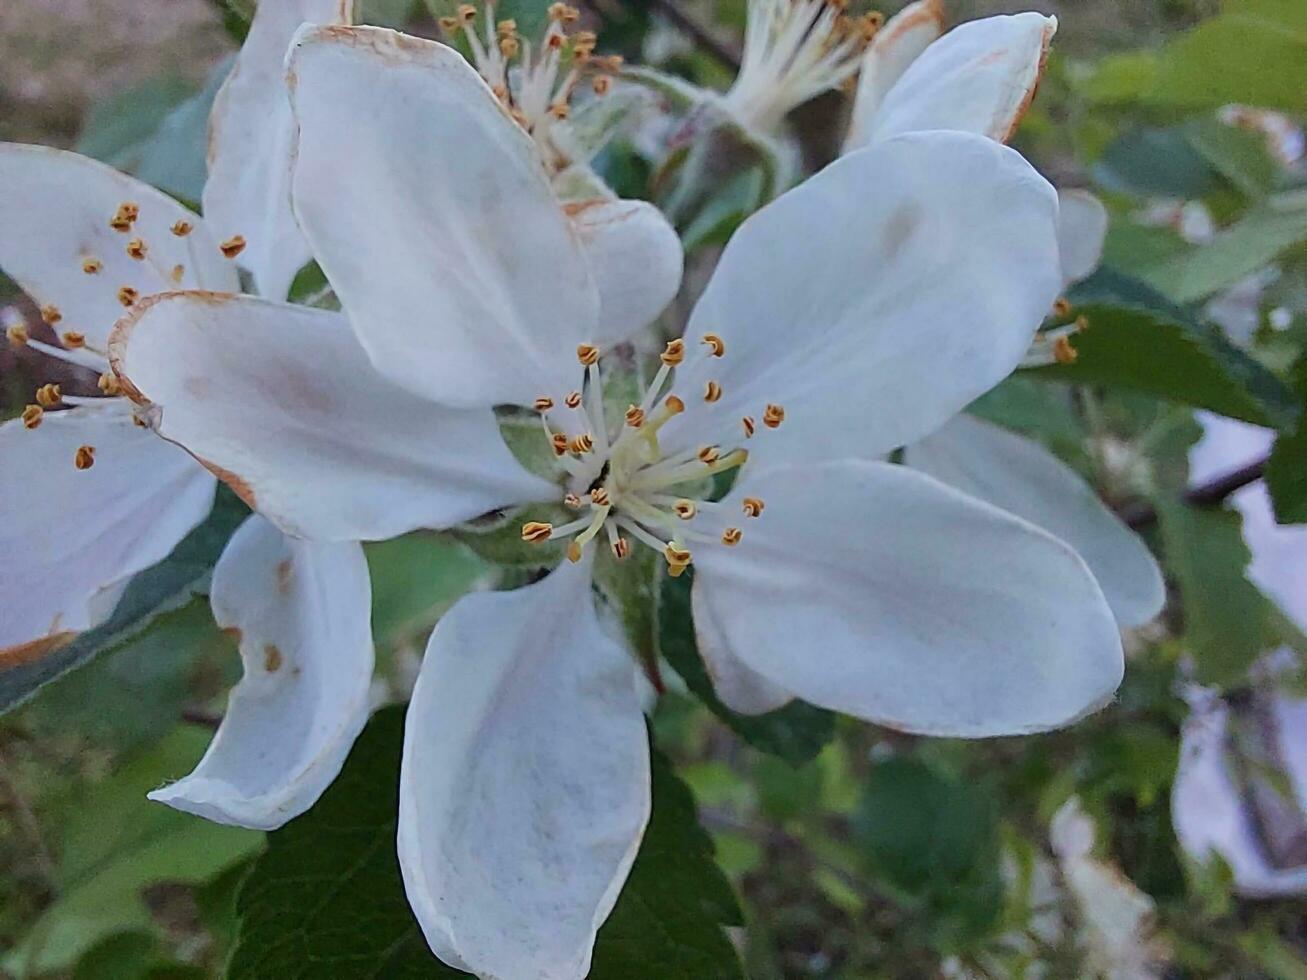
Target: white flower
832, 333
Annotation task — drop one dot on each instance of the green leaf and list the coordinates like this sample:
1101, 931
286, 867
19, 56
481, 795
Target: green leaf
166, 586
387, 13
1241, 156
1151, 160
1138, 340
414, 580
133, 956
796, 732
326, 899
1286, 475
1227, 626
116, 843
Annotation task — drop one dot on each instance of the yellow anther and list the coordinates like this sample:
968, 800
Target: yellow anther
128, 295
73, 339
574, 552
177, 274
731, 536
536, 531
48, 395
17, 334
715, 343
181, 227
559, 442
506, 28
750, 427
674, 353
85, 457
773, 416
563, 13
674, 405
91, 266
582, 444
450, 25
1061, 306
509, 47
709, 454
50, 314
573, 501
560, 110
752, 506
233, 246
621, 549
685, 509
678, 559
587, 354
601, 84
130, 210
635, 416
599, 497
32, 416
1082, 323
543, 404
137, 249
573, 399
554, 42
613, 63
108, 384
467, 13
1063, 352
712, 391
125, 216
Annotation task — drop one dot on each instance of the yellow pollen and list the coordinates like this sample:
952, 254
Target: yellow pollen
712, 391
1063, 352
573, 501
559, 442
17, 334
674, 405
467, 13
181, 228
124, 217
48, 395
233, 246
72, 339
32, 416
509, 47
674, 354
108, 383
506, 28
752, 506
51, 315
773, 416
599, 497
685, 509
536, 531
715, 342
621, 548
1062, 306
543, 403
137, 249
750, 427
573, 400
731, 536
563, 13
709, 454
601, 84
678, 559
128, 295
91, 266
178, 271
85, 457
560, 110
635, 416
587, 354
582, 444
574, 552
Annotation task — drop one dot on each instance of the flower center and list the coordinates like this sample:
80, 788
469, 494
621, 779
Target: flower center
535, 84
793, 51
626, 484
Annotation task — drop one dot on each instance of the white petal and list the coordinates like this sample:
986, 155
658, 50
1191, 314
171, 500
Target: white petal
251, 135
636, 259
524, 788
873, 590
446, 245
281, 402
1023, 478
302, 612
978, 78
71, 538
737, 685
876, 300
896, 46
55, 208
1081, 231
1208, 810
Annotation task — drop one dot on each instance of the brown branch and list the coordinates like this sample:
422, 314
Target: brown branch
1207, 494
704, 38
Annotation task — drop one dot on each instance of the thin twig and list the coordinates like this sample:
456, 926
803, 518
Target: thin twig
702, 36
1204, 495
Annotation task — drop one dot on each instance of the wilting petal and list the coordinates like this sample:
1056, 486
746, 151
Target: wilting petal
251, 136
979, 78
636, 259
896, 46
738, 686
55, 209
524, 788
446, 245
281, 402
1081, 231
71, 538
874, 301
876, 591
302, 614
1023, 478
1209, 811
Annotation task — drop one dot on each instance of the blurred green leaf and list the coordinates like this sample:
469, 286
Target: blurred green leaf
414, 580
132, 956
116, 842
795, 732
167, 586
1154, 161
387, 13
1286, 474
786, 792
1240, 155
